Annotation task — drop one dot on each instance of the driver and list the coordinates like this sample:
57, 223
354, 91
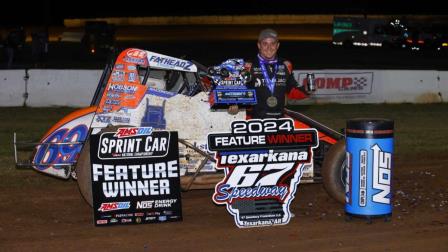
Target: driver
272, 79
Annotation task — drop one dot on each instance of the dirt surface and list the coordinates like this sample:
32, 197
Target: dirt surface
44, 213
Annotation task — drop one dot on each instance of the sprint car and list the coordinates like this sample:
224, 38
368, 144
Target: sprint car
146, 89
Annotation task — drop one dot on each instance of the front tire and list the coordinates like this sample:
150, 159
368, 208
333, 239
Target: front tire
334, 171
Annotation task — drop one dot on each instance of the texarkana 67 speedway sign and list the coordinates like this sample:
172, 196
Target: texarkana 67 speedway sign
262, 161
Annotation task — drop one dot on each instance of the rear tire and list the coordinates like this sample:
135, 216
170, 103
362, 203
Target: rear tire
83, 168
83, 173
334, 172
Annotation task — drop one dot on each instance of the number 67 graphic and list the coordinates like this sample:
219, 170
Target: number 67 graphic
258, 174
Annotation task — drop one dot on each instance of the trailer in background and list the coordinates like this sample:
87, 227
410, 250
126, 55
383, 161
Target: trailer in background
355, 31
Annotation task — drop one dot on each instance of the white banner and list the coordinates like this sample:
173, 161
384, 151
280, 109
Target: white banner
375, 86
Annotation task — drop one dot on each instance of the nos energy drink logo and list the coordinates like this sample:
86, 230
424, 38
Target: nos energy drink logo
382, 162
368, 189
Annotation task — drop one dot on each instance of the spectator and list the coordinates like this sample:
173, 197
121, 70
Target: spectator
14, 42
39, 47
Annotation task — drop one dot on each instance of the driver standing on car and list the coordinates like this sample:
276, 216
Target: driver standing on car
272, 79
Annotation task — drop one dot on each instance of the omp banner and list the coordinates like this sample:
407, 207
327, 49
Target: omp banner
335, 83
262, 162
135, 176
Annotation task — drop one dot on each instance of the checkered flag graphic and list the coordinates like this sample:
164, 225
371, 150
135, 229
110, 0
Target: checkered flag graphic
359, 83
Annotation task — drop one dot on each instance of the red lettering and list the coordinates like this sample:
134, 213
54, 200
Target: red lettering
320, 83
295, 138
108, 206
333, 83
346, 82
272, 139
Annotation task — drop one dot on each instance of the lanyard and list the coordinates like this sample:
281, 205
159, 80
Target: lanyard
270, 81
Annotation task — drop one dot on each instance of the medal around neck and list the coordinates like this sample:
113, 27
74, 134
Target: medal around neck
270, 82
272, 101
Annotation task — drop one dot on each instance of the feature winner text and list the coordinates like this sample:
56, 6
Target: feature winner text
135, 180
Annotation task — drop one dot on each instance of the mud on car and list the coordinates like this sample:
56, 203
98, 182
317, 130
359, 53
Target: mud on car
147, 89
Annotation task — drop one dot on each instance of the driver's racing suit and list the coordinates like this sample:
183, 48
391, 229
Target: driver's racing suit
271, 101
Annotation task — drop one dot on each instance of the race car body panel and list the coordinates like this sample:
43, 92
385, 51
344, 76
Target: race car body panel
58, 150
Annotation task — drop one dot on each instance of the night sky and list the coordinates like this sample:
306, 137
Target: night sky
40, 12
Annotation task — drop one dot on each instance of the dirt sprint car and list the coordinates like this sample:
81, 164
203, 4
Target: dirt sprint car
147, 89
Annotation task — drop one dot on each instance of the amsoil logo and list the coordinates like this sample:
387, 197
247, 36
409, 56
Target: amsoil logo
129, 132
112, 206
341, 83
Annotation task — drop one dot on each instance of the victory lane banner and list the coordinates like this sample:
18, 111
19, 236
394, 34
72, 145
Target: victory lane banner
262, 162
135, 176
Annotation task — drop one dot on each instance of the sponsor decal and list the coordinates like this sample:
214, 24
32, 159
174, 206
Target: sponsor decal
148, 204
382, 163
113, 220
155, 213
263, 162
166, 203
119, 119
145, 204
119, 67
136, 53
113, 95
133, 131
107, 108
168, 62
160, 93
113, 206
132, 68
132, 77
128, 220
123, 215
112, 102
121, 88
328, 83
117, 76
134, 60
101, 222
162, 218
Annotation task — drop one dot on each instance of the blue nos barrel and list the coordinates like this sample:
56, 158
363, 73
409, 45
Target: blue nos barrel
369, 145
